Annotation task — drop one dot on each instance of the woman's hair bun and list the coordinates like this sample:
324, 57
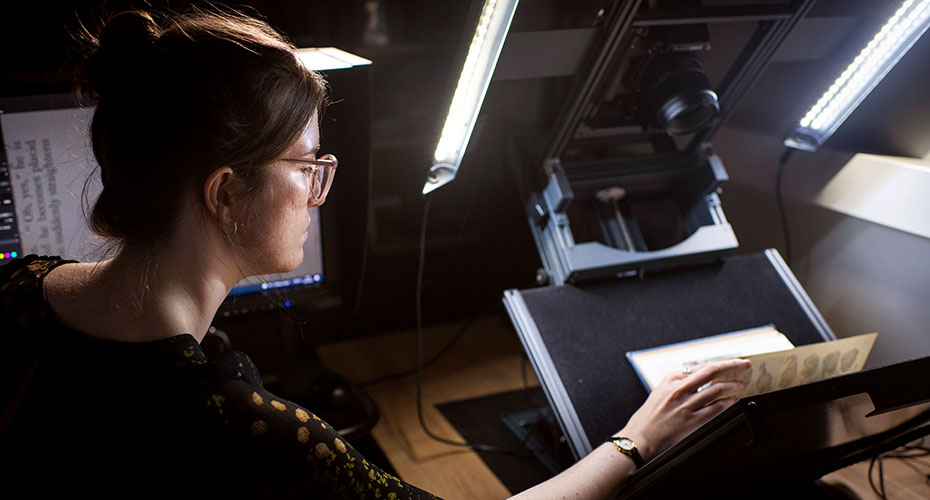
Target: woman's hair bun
132, 29
122, 56
179, 95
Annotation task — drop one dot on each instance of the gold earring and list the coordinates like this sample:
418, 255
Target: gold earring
235, 229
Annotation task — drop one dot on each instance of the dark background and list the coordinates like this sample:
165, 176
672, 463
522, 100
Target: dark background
478, 242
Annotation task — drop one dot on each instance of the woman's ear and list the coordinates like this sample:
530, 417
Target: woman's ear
217, 193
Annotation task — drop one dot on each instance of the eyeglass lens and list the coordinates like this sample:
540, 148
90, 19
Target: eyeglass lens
323, 177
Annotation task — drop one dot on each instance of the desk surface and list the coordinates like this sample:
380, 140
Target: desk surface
487, 360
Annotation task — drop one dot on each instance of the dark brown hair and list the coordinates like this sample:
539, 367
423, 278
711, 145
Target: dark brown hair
178, 96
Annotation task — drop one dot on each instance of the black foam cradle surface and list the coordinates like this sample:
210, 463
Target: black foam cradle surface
588, 330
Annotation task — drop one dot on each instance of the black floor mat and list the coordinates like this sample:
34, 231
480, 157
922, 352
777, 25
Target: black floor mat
482, 420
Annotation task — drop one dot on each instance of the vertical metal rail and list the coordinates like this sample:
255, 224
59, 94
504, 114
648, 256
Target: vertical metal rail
613, 33
750, 64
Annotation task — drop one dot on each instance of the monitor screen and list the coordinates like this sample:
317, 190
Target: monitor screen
48, 181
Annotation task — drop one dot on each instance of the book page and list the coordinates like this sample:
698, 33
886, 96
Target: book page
652, 365
808, 363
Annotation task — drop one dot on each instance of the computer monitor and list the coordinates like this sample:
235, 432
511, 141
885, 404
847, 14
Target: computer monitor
48, 177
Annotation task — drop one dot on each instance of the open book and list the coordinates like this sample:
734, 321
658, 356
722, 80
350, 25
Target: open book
776, 363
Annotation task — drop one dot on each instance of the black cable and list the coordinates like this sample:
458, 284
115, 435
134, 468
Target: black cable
881, 476
539, 408
524, 360
363, 265
911, 454
779, 200
907, 462
915, 449
439, 354
879, 492
419, 311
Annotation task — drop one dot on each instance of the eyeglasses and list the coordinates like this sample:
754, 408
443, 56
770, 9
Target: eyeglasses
321, 171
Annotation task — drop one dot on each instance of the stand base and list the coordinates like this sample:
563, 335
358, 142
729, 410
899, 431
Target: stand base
544, 440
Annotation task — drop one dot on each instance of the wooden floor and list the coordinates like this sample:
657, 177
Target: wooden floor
487, 360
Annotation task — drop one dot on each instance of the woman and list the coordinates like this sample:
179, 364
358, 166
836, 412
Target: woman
206, 133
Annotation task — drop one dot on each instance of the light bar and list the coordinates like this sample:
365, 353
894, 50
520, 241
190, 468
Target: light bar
907, 24
329, 58
485, 48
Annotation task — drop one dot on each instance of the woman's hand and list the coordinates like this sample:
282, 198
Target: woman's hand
683, 402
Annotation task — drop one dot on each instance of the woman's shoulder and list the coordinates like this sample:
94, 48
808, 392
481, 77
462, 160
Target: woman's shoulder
21, 288
28, 271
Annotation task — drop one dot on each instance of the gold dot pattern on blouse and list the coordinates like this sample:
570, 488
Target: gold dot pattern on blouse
217, 401
303, 435
259, 427
334, 466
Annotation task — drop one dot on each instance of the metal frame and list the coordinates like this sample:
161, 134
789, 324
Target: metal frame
568, 261
548, 374
751, 62
719, 14
776, 21
799, 294
614, 33
563, 258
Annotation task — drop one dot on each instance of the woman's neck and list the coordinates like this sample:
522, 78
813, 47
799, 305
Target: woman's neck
164, 294
144, 295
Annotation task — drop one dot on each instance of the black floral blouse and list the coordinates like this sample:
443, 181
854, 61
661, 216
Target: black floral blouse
91, 418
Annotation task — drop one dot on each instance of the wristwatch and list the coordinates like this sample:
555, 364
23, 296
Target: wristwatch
628, 447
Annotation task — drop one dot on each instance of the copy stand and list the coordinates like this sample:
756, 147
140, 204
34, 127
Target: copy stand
649, 186
632, 141
576, 338
766, 445
630, 188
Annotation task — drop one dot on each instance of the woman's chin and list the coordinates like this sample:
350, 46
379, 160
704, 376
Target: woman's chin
285, 268
279, 265
295, 263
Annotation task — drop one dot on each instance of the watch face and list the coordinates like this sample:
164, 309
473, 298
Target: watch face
626, 444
